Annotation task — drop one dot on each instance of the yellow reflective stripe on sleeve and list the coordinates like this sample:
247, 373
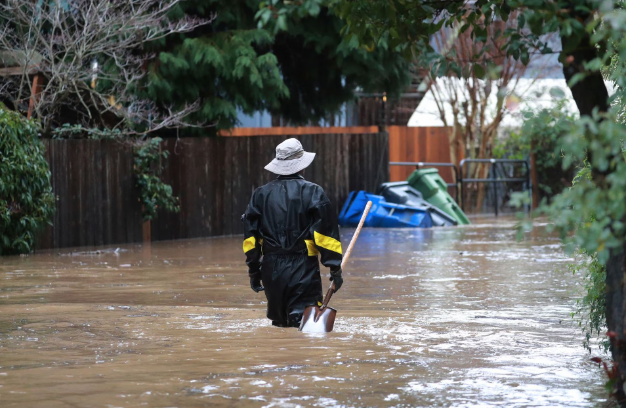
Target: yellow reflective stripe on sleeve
249, 244
310, 246
329, 243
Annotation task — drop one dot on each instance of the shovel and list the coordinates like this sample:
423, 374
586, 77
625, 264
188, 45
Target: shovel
321, 319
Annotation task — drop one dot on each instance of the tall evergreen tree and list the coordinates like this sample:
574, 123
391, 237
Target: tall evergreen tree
303, 74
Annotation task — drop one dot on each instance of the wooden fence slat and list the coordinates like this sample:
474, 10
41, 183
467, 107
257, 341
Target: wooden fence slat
240, 194
166, 228
228, 187
73, 187
220, 180
46, 239
60, 189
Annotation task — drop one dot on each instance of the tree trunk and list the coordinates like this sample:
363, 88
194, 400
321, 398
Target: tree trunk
452, 136
591, 92
481, 173
485, 152
615, 306
455, 139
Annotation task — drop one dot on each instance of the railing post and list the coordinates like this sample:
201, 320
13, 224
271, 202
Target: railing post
495, 188
461, 184
534, 182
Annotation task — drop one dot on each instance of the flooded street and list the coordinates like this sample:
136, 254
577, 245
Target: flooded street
449, 317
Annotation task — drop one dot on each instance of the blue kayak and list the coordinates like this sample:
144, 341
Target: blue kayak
382, 214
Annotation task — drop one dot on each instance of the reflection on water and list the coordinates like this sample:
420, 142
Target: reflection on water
441, 317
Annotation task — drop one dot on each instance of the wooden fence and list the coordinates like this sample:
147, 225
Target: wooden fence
97, 201
214, 178
418, 144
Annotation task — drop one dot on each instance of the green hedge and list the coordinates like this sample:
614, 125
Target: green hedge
26, 199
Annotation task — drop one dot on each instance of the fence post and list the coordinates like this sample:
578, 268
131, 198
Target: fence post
146, 229
35, 94
534, 181
495, 187
460, 181
147, 232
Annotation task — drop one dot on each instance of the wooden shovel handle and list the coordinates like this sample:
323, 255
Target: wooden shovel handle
356, 234
331, 290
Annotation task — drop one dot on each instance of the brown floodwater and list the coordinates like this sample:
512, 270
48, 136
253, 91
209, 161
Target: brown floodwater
449, 317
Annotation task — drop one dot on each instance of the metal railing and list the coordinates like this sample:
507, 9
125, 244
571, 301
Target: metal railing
429, 164
465, 163
494, 176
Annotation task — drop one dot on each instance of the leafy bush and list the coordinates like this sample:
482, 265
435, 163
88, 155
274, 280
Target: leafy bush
541, 131
68, 131
154, 194
26, 199
590, 309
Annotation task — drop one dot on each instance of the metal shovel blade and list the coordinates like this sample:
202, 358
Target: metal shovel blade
317, 320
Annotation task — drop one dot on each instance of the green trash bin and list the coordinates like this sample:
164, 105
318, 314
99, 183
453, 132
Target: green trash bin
435, 191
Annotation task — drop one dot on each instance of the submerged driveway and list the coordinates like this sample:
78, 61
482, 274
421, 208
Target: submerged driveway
444, 317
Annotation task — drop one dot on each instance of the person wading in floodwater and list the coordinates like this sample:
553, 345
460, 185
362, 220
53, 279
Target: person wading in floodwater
288, 223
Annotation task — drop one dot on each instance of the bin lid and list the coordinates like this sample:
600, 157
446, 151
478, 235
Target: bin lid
426, 181
419, 173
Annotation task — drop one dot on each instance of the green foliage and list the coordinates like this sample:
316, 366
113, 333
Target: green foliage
610, 36
602, 198
304, 74
26, 199
223, 70
406, 26
541, 130
154, 194
590, 310
276, 15
68, 131
401, 25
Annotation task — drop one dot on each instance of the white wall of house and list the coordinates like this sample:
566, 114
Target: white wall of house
528, 94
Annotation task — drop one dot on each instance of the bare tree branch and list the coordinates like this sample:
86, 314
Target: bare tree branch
92, 55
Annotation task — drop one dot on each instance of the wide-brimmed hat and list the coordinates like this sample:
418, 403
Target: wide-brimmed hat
290, 158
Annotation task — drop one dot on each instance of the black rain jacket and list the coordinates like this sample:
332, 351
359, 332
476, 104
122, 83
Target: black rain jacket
288, 223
